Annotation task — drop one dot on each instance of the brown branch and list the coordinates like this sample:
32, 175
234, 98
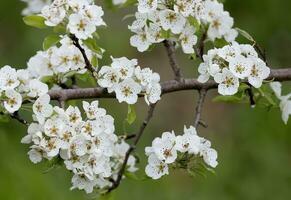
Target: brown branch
167, 87
201, 45
116, 183
83, 52
170, 48
199, 106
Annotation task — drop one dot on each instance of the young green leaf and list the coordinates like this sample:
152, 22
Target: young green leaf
246, 35
35, 21
50, 41
92, 45
131, 115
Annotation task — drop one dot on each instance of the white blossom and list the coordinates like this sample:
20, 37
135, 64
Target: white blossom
13, 101
37, 88
42, 108
285, 100
156, 168
54, 15
127, 91
172, 20
81, 26
8, 78
228, 83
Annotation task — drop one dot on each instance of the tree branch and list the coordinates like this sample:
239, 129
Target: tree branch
167, 87
83, 52
173, 60
199, 106
116, 183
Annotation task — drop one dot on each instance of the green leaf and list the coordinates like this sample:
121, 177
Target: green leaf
245, 35
50, 41
230, 99
92, 45
243, 87
132, 176
4, 118
219, 43
109, 196
60, 29
194, 22
131, 114
35, 21
94, 61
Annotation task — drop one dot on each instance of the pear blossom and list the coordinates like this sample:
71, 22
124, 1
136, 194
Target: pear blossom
240, 67
92, 110
156, 168
94, 14
145, 6
140, 40
34, 6
230, 64
88, 147
35, 155
37, 88
165, 151
127, 91
41, 108
228, 82
81, 26
189, 142
54, 15
164, 147
8, 78
109, 78
172, 20
188, 40
13, 101
285, 100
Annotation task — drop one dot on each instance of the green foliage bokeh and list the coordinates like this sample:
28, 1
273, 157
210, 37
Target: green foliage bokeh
253, 144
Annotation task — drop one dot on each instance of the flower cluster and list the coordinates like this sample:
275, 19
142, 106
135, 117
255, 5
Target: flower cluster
128, 80
230, 64
34, 6
89, 148
164, 151
17, 86
59, 60
82, 15
285, 101
156, 19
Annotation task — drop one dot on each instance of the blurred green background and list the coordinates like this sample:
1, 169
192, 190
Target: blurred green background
254, 145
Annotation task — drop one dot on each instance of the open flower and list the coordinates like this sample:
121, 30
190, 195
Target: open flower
164, 147
127, 91
13, 101
42, 109
156, 168
81, 26
145, 6
173, 21
8, 78
228, 83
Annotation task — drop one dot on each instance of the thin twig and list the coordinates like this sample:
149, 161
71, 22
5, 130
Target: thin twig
83, 52
199, 106
17, 117
201, 45
115, 183
170, 47
251, 97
